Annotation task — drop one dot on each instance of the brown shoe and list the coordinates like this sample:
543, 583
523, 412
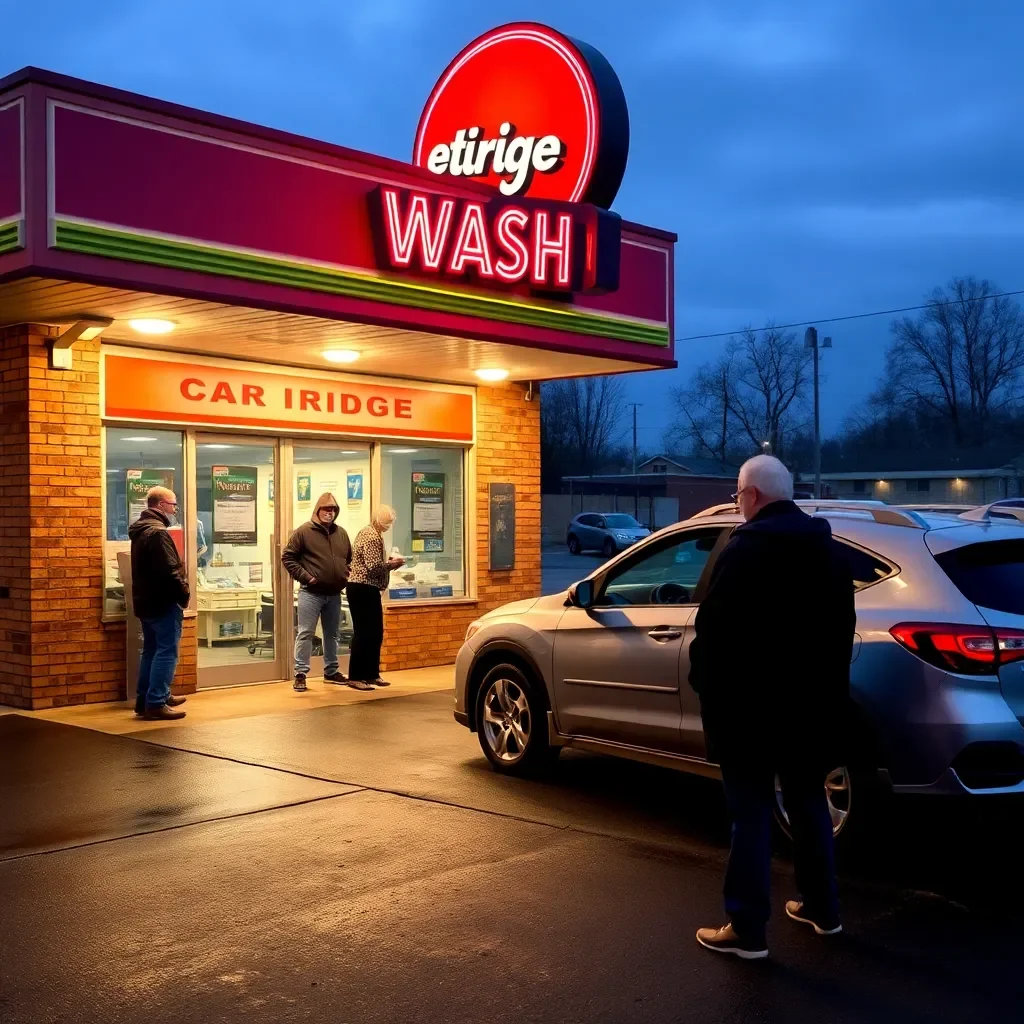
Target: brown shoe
173, 702
359, 684
380, 682
337, 677
163, 713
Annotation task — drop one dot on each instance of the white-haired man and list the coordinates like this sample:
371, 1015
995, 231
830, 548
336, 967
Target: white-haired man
159, 595
771, 663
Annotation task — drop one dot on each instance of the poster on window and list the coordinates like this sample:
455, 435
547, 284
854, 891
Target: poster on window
234, 505
304, 488
137, 485
355, 488
428, 512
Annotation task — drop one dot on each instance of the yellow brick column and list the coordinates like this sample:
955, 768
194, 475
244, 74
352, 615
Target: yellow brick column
68, 655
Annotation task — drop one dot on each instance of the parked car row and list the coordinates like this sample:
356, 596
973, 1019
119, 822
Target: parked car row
937, 671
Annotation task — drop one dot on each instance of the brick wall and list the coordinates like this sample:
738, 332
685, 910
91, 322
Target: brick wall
508, 451
54, 644
55, 648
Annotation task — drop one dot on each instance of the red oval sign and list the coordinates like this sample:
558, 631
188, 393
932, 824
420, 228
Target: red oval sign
531, 112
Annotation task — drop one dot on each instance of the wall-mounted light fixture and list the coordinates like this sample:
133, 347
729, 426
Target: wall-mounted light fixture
83, 329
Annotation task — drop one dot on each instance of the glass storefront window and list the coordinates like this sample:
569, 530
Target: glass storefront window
137, 458
425, 486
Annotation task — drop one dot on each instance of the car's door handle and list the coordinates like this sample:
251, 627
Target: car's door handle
665, 633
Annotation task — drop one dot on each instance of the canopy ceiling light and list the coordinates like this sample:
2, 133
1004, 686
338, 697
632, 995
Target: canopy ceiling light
152, 325
341, 355
492, 375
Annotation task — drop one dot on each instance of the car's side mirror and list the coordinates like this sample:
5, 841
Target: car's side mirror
582, 595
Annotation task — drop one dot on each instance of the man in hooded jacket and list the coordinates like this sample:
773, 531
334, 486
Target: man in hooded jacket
317, 556
770, 661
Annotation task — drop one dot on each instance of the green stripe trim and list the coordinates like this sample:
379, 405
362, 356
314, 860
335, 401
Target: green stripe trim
123, 245
10, 236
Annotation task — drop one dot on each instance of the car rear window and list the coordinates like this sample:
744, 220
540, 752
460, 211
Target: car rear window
865, 568
990, 574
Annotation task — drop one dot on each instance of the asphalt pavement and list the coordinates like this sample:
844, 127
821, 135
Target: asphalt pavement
363, 863
560, 570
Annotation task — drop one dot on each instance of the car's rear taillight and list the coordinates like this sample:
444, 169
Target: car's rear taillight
969, 650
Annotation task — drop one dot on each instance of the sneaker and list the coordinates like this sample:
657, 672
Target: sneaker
173, 702
359, 684
299, 686
163, 713
380, 682
796, 910
336, 677
725, 940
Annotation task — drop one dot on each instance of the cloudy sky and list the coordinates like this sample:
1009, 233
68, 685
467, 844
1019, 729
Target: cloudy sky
816, 157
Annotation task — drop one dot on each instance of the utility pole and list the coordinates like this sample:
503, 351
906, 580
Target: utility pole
636, 482
811, 342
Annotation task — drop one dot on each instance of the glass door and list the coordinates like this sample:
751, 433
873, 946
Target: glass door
236, 561
342, 470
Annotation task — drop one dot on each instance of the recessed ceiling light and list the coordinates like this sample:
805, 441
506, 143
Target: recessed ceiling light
492, 374
402, 451
152, 326
140, 439
217, 447
340, 355
350, 453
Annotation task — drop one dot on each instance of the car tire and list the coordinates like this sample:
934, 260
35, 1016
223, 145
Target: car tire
853, 796
511, 722
609, 550
573, 545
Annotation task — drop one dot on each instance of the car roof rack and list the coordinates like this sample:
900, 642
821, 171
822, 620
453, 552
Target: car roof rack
983, 513
886, 515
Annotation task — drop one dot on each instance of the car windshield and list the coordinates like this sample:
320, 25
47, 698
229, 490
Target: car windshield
990, 574
620, 522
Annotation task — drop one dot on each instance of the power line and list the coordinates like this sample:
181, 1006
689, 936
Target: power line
852, 316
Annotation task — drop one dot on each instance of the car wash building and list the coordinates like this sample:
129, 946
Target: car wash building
251, 318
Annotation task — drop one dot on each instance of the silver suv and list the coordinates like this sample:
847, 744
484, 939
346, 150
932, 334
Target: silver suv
607, 532
937, 673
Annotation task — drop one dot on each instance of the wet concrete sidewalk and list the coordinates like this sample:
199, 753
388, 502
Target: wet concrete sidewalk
362, 863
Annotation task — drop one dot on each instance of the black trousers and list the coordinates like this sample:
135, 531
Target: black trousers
364, 603
751, 798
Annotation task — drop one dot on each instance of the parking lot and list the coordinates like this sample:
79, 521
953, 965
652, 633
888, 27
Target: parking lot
362, 863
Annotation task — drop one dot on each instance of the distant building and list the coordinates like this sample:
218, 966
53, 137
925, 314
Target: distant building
956, 477
695, 483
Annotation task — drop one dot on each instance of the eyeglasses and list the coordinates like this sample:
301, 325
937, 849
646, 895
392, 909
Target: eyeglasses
742, 490
171, 504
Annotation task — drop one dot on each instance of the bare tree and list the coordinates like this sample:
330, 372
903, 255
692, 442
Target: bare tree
756, 392
962, 357
580, 423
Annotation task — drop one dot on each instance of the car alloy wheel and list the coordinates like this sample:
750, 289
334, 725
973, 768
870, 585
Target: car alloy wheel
507, 721
574, 546
838, 793
609, 548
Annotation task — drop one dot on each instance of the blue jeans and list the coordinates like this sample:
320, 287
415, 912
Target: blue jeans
751, 799
313, 608
160, 639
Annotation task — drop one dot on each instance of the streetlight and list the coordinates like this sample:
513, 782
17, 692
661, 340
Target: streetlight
811, 341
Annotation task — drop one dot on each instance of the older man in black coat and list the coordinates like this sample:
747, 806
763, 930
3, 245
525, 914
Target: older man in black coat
771, 663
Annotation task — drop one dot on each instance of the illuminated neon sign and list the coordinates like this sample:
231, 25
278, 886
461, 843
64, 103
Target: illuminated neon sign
550, 247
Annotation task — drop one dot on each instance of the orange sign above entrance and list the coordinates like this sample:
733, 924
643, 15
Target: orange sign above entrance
232, 395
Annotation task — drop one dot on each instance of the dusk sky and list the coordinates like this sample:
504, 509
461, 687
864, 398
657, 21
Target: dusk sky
816, 158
